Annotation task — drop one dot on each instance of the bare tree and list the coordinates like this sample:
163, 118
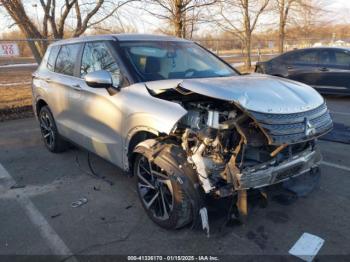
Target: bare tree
86, 13
181, 15
296, 10
283, 8
311, 16
240, 17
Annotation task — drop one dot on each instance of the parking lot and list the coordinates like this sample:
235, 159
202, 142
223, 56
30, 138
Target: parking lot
38, 187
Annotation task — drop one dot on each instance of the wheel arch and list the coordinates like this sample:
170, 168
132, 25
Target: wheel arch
40, 103
135, 138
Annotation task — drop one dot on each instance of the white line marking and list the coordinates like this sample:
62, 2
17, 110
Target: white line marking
340, 113
14, 84
335, 165
19, 65
56, 244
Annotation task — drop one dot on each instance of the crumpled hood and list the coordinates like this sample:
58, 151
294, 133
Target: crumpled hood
256, 92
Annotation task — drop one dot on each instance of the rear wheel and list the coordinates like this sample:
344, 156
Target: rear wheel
53, 141
259, 70
162, 196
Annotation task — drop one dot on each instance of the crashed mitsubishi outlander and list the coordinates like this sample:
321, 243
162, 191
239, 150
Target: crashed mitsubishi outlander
184, 123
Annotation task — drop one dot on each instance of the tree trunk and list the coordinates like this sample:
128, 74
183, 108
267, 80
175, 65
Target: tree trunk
281, 30
178, 23
36, 53
281, 37
248, 51
248, 35
16, 11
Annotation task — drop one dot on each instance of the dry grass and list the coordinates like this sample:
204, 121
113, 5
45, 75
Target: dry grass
15, 96
15, 100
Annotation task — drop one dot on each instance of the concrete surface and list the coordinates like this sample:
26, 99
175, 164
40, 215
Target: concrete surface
38, 219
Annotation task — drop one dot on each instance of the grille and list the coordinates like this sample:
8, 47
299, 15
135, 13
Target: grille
291, 128
287, 173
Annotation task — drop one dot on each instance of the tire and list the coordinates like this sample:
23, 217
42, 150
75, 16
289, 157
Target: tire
152, 179
52, 139
259, 70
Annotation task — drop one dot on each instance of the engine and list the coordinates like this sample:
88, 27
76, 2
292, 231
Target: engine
226, 145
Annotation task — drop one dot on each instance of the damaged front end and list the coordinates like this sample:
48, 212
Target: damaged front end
233, 148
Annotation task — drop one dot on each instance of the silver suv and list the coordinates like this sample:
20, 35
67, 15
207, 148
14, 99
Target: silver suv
185, 123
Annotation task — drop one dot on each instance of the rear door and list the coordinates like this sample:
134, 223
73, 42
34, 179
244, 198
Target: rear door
63, 94
334, 71
302, 66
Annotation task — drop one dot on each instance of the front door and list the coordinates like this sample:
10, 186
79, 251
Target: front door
100, 113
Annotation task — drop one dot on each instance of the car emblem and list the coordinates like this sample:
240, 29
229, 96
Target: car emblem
309, 128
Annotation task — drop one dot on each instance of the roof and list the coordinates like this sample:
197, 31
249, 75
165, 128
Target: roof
321, 47
121, 38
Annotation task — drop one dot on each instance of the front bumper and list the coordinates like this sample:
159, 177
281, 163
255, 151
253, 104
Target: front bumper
271, 173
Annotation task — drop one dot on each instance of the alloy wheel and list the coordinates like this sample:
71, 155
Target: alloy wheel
46, 127
155, 189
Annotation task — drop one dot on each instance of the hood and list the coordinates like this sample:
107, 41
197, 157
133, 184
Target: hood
255, 92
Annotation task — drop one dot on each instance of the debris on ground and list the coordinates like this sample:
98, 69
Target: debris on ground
56, 215
307, 247
16, 186
79, 202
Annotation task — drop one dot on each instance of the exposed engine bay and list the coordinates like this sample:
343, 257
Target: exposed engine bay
231, 150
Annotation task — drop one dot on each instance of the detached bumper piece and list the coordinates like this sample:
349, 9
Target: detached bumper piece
297, 127
271, 173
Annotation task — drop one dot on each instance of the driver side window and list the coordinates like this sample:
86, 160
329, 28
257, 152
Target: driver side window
96, 56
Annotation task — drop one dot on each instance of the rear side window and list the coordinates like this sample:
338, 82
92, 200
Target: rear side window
326, 57
342, 58
66, 59
52, 58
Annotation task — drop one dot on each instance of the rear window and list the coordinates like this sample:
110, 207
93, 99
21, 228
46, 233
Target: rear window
66, 59
52, 58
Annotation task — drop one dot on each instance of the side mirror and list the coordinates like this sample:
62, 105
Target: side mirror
99, 79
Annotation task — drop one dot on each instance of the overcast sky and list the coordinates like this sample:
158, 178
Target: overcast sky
339, 12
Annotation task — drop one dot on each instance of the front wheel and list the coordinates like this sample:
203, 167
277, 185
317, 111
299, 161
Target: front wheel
163, 197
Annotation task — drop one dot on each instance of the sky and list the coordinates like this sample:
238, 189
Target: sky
339, 13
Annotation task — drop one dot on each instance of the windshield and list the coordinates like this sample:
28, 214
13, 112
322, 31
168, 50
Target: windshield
173, 60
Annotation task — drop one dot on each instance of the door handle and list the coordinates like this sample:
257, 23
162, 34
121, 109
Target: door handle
76, 87
289, 67
47, 79
324, 69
